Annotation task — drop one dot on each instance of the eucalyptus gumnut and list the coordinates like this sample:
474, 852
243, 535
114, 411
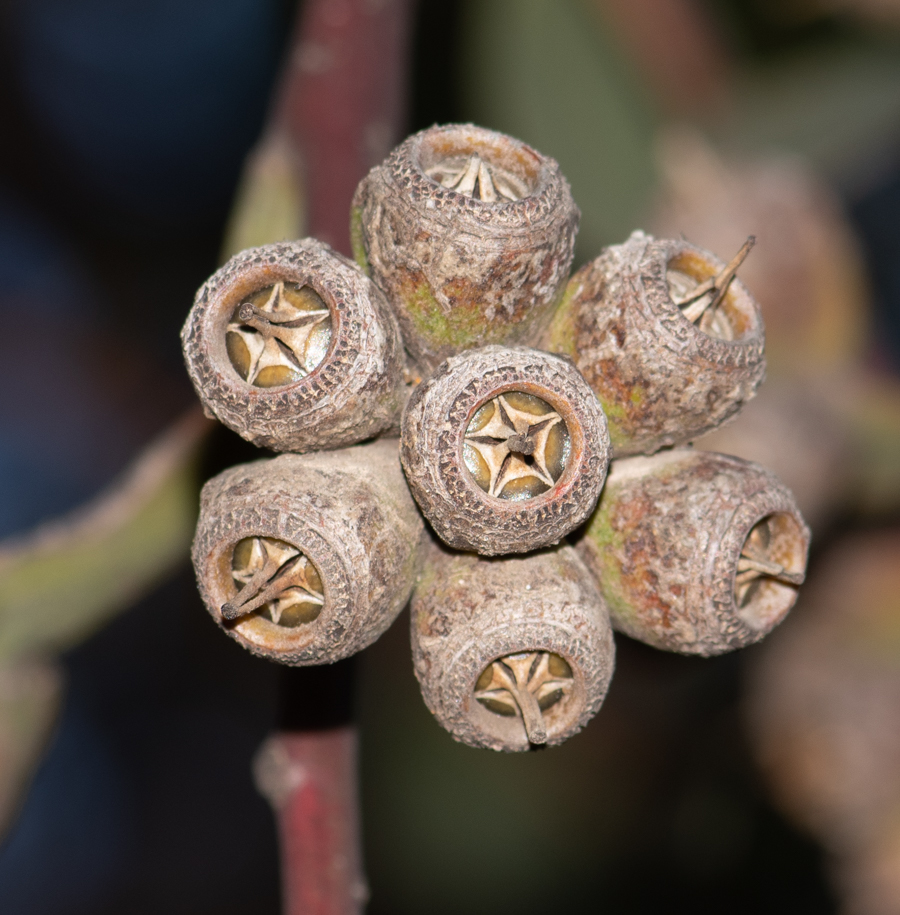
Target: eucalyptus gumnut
671, 342
295, 349
471, 234
510, 653
696, 552
307, 559
505, 449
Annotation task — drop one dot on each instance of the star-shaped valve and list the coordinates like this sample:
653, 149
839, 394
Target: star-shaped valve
516, 446
526, 684
472, 176
276, 578
756, 565
699, 302
278, 335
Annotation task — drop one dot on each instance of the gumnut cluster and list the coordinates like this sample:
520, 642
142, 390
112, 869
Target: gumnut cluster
540, 423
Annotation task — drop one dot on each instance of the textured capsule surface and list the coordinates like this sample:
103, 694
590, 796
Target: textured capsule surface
696, 552
471, 234
295, 349
307, 559
510, 653
668, 361
505, 449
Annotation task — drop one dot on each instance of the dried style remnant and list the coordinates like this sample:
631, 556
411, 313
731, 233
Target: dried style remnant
510, 653
671, 342
505, 449
470, 233
308, 559
295, 349
696, 552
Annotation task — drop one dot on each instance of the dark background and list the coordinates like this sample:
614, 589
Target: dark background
124, 127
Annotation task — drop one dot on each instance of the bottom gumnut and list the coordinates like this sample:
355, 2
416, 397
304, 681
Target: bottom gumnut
308, 559
510, 653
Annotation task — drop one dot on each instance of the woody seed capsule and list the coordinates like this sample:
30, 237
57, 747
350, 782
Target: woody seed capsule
471, 234
670, 341
696, 552
505, 449
294, 348
307, 559
510, 653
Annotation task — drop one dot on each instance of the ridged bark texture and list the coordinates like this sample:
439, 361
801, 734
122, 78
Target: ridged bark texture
467, 612
357, 390
461, 271
662, 380
666, 540
434, 427
349, 512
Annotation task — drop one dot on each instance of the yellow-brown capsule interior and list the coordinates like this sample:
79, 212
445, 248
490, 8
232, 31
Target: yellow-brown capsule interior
484, 167
703, 292
525, 684
516, 446
279, 334
770, 569
276, 581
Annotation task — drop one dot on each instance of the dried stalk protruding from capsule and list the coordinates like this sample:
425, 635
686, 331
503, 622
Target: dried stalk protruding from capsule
668, 338
294, 348
696, 552
308, 559
510, 653
470, 233
505, 449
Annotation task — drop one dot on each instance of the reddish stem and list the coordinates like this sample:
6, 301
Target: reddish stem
343, 100
310, 780
341, 103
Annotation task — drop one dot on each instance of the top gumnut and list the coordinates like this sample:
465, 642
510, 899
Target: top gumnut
470, 233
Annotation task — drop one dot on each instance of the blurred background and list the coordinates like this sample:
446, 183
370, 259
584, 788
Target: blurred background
140, 146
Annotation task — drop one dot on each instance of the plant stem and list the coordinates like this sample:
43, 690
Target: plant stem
343, 100
309, 777
341, 104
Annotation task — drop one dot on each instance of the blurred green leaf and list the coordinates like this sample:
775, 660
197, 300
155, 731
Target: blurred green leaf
837, 105
60, 582
269, 204
30, 693
550, 73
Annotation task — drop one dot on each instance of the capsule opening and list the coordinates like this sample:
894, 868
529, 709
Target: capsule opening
516, 446
275, 581
770, 569
525, 684
279, 334
479, 164
722, 316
